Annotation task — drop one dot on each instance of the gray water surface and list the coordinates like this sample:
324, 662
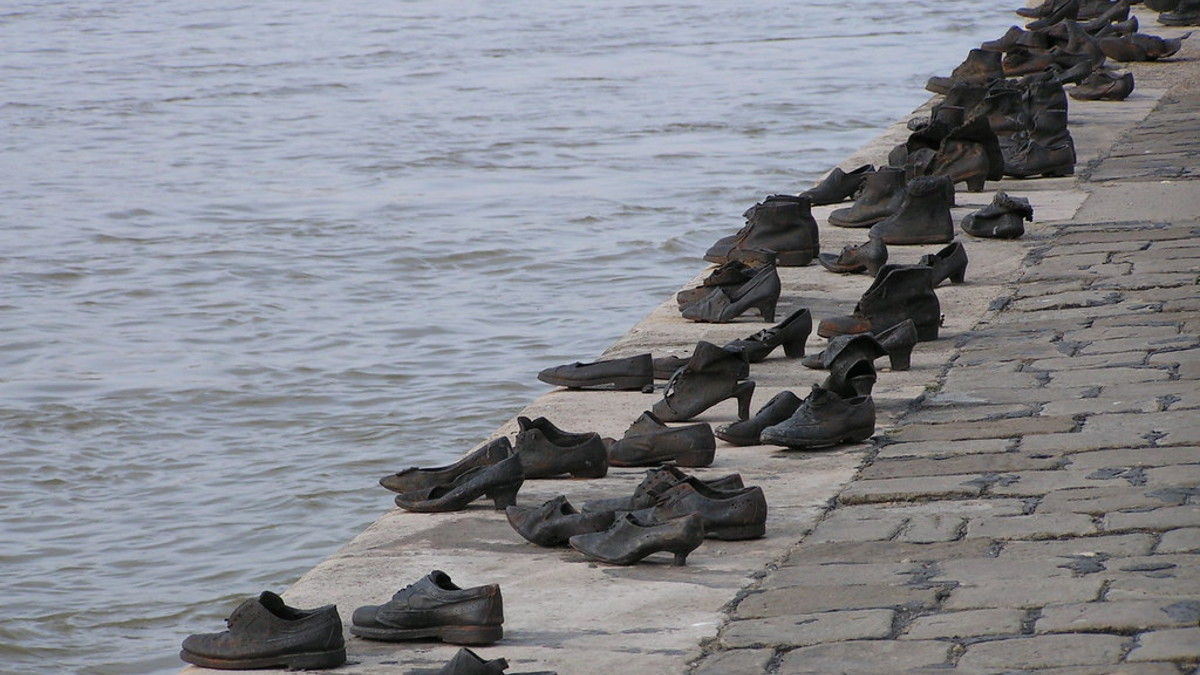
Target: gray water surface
256, 255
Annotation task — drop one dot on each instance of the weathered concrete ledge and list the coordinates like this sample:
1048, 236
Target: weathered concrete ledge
574, 616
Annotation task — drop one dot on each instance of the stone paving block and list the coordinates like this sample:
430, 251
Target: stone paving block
826, 597
910, 489
978, 393
1143, 281
1116, 495
888, 551
974, 463
1180, 582
1130, 358
1099, 459
839, 526
1099, 405
971, 570
1076, 547
1122, 669
939, 449
1103, 331
1078, 442
802, 630
789, 575
934, 414
1172, 427
1120, 616
1092, 376
1067, 299
743, 661
1034, 483
865, 657
1135, 344
1004, 428
1165, 518
1043, 651
1023, 593
933, 528
1182, 540
954, 507
1174, 644
1036, 526
1003, 375
1179, 474
969, 623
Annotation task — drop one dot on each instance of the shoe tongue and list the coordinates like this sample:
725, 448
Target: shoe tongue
646, 423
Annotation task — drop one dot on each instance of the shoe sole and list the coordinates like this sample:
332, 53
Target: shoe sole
303, 661
852, 436
618, 383
456, 635
736, 532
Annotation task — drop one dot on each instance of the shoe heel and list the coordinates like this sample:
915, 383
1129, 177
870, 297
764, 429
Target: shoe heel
680, 558
767, 309
928, 332
958, 276
599, 471
504, 496
744, 391
795, 348
975, 183
470, 635
901, 359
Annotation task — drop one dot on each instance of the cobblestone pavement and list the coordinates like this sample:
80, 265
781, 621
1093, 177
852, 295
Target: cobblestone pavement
1038, 510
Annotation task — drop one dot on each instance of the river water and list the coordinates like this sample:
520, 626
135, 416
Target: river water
256, 255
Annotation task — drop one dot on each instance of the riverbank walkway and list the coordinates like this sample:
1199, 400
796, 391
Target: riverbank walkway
1030, 503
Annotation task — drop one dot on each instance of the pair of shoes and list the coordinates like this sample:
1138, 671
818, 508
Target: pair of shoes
631, 539
711, 375
414, 478
555, 521
730, 515
923, 216
838, 185
882, 193
265, 632
896, 343
631, 374
780, 223
824, 419
500, 482
1002, 219
657, 481
1103, 85
868, 257
948, 263
897, 293
467, 662
748, 432
649, 442
792, 333
547, 451
435, 607
731, 273
726, 303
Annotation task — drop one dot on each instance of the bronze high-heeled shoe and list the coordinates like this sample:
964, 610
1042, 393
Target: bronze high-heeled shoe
416, 479
727, 303
500, 482
948, 263
711, 375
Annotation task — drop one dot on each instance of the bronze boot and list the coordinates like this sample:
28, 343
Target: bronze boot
710, 376
923, 217
898, 292
780, 223
881, 196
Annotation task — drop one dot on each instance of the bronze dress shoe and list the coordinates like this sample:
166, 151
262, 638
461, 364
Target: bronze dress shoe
435, 607
630, 539
555, 521
264, 632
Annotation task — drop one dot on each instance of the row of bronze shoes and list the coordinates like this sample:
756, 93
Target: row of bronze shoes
1004, 113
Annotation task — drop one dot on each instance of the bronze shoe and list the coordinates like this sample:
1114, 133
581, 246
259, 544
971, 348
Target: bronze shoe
630, 539
555, 521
